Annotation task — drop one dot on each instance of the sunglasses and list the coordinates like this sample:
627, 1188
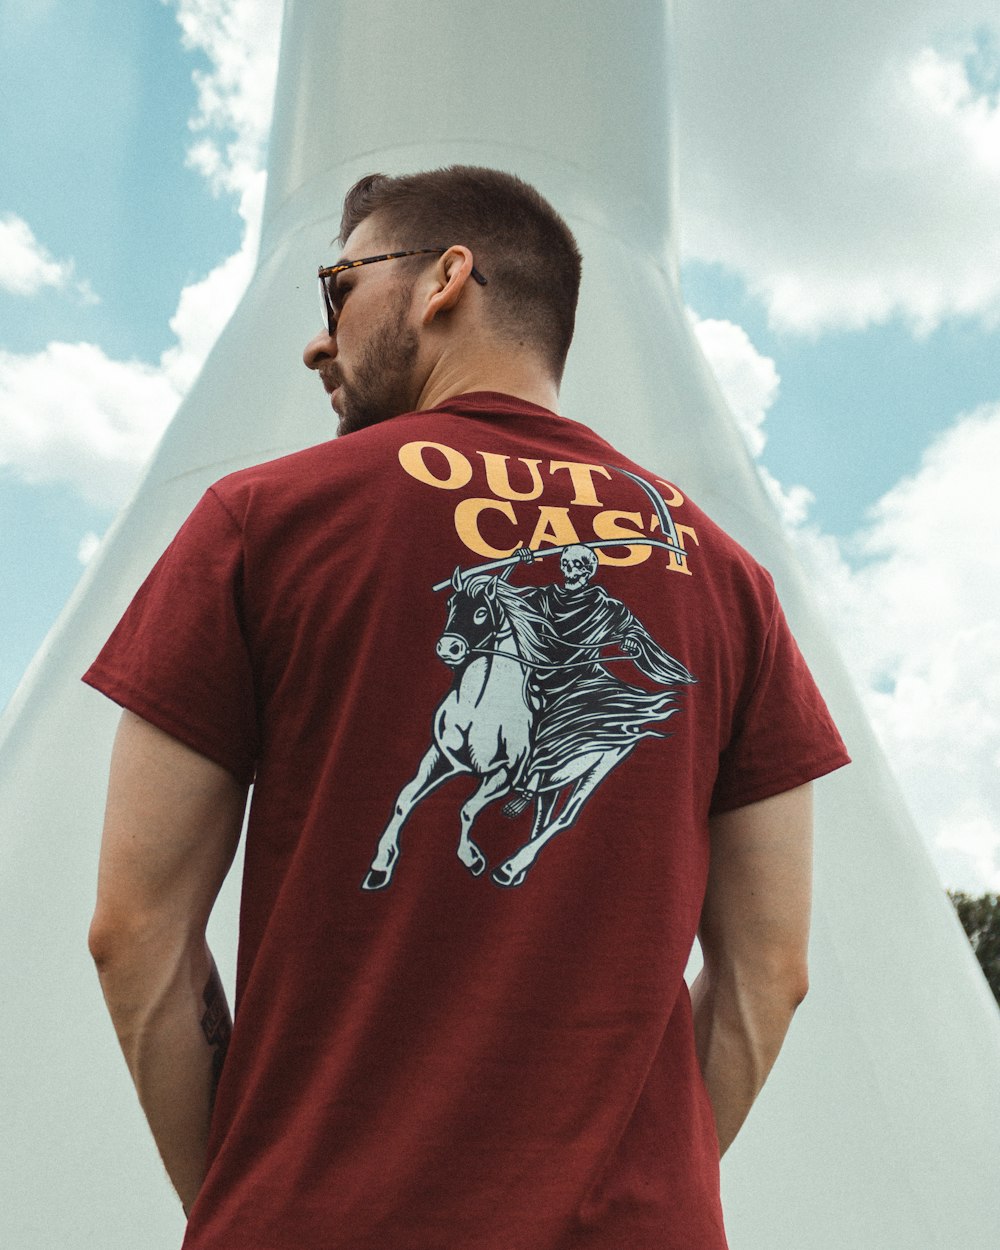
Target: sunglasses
327, 286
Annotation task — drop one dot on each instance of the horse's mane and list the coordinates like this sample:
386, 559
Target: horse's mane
533, 632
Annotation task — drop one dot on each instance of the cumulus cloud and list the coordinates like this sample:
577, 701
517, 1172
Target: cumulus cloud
750, 383
88, 547
232, 121
914, 600
845, 163
71, 413
917, 610
233, 118
206, 306
26, 266
748, 380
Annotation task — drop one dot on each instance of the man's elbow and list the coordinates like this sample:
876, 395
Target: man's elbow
786, 984
110, 940
794, 982
122, 939
770, 988
769, 972
771, 1005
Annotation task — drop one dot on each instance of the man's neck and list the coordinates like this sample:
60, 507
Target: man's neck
521, 377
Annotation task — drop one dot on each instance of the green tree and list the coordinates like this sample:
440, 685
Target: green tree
980, 919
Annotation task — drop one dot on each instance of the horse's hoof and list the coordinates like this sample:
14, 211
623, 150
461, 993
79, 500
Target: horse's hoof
503, 876
476, 863
376, 879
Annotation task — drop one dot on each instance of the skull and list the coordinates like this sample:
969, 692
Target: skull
578, 564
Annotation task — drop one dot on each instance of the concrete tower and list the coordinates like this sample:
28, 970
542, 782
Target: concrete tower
880, 1129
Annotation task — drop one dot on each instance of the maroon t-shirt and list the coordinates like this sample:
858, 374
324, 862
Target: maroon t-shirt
454, 1029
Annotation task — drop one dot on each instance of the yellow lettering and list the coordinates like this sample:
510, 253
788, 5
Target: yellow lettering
411, 457
498, 476
582, 476
674, 562
467, 525
674, 498
554, 527
606, 525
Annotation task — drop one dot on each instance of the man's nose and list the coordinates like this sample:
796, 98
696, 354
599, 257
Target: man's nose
317, 350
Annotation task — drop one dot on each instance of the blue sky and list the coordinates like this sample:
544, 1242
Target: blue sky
841, 258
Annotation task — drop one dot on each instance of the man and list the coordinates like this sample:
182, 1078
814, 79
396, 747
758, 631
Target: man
426, 1054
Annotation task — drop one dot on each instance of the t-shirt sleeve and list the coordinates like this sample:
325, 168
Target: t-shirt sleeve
783, 735
179, 656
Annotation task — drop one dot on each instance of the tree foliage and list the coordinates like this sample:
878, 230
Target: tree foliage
980, 917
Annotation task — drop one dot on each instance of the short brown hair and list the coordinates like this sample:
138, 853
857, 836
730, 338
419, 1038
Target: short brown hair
519, 241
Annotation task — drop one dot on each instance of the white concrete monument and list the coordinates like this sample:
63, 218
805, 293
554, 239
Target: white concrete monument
880, 1128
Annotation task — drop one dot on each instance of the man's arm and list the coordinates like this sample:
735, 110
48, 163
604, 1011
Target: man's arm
171, 829
754, 935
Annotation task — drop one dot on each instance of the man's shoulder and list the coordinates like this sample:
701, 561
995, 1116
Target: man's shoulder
698, 530
320, 464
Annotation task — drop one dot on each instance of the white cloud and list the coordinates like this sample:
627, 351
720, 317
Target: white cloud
206, 306
750, 384
792, 502
914, 601
69, 412
748, 380
845, 163
26, 266
88, 547
919, 621
240, 39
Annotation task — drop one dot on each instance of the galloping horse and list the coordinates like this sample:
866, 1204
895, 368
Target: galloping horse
481, 726
486, 725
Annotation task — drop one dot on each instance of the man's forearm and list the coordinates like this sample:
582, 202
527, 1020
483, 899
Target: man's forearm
172, 1020
739, 1028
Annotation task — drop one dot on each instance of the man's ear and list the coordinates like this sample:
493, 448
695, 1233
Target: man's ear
451, 273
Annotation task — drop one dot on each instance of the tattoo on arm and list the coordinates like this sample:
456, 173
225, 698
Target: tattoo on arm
216, 1024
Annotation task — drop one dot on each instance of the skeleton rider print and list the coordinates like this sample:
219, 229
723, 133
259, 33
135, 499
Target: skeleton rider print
539, 707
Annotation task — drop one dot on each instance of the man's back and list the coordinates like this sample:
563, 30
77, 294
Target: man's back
454, 1027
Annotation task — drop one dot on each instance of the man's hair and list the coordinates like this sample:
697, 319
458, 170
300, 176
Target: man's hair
519, 243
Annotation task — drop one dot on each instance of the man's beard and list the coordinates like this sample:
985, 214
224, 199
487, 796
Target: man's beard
382, 386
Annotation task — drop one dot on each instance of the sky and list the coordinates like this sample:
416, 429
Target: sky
839, 186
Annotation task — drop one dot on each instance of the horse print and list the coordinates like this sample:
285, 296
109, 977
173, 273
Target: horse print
533, 710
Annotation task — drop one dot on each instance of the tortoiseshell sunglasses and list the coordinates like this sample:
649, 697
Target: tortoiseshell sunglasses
327, 298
